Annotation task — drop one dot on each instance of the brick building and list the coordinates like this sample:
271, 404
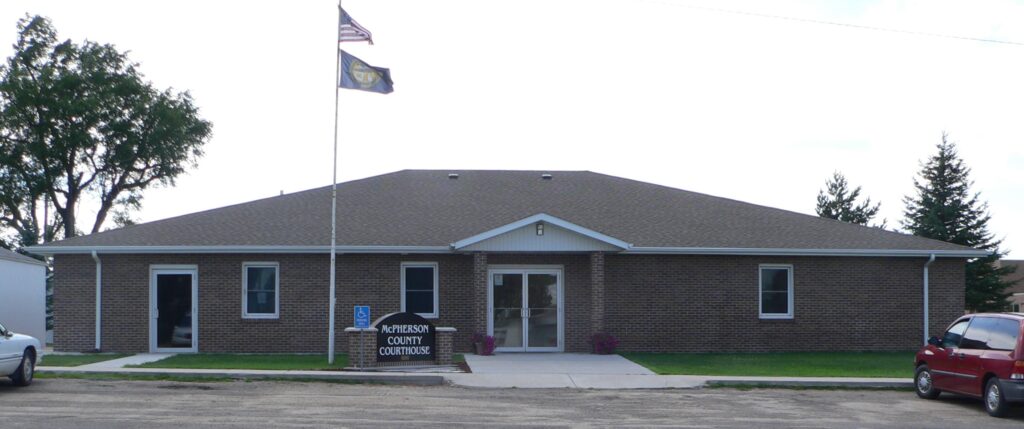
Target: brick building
1016, 290
540, 260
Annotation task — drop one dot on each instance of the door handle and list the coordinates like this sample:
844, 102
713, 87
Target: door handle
961, 355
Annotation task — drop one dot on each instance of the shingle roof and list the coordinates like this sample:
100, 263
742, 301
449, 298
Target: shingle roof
8, 255
427, 208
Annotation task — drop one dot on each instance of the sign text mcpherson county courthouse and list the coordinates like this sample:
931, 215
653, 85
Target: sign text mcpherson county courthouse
404, 337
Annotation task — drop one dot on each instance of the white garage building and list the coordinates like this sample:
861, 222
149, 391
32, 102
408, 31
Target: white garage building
23, 294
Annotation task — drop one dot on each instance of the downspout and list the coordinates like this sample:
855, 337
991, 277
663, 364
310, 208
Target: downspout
931, 259
99, 295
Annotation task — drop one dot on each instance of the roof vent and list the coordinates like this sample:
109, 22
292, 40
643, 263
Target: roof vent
453, 176
545, 176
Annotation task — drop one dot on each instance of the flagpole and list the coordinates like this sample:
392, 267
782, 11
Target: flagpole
334, 194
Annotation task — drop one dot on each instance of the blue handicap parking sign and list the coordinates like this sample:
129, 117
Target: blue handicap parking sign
362, 316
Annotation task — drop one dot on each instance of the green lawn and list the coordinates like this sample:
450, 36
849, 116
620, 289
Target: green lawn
256, 361
797, 364
78, 360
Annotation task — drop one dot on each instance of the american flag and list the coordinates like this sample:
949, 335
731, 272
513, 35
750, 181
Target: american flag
350, 31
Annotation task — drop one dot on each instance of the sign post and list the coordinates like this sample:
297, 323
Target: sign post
361, 314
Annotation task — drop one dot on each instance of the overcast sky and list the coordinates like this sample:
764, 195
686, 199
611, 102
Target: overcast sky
740, 106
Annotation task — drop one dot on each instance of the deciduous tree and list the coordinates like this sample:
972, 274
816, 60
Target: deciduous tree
79, 125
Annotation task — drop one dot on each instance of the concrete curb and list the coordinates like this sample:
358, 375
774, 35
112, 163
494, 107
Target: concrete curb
381, 378
505, 381
617, 382
850, 384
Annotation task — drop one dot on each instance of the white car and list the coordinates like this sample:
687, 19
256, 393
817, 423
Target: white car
19, 355
182, 335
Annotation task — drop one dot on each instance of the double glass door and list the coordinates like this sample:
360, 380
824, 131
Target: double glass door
526, 309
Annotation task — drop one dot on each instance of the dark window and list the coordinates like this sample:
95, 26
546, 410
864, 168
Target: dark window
775, 292
1004, 334
978, 333
420, 289
260, 290
954, 334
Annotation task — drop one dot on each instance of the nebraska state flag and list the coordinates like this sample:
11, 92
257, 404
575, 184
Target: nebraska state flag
356, 74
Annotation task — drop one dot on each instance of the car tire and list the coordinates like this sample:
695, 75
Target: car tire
26, 371
995, 402
924, 384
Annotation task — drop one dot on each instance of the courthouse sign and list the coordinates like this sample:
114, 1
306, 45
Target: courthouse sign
404, 337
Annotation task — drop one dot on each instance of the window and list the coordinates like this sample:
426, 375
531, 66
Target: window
419, 288
977, 334
776, 296
1015, 307
1004, 334
954, 334
992, 333
261, 287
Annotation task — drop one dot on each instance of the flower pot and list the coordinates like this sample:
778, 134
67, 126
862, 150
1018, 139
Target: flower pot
479, 348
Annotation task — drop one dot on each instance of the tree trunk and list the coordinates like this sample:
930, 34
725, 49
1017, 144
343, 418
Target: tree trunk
101, 215
68, 217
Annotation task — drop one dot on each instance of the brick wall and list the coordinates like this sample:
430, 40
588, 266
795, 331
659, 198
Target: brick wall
74, 303
375, 280
372, 280
710, 303
664, 303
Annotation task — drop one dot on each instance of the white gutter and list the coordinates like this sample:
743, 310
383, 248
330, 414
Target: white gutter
805, 252
61, 250
931, 259
65, 250
99, 296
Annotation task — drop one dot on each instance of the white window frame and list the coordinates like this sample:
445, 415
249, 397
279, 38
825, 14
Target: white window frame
437, 286
789, 291
245, 290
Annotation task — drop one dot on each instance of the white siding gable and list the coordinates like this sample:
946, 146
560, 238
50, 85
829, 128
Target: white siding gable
555, 239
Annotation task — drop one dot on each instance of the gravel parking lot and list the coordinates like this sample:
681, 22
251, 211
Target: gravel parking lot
51, 403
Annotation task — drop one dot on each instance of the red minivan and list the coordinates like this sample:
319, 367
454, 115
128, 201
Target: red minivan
980, 355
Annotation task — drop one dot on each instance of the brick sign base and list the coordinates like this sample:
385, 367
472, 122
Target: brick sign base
362, 354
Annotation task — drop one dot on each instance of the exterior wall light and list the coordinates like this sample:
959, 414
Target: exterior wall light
540, 229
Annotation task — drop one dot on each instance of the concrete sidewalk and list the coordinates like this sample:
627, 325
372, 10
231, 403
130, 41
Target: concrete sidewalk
138, 359
554, 363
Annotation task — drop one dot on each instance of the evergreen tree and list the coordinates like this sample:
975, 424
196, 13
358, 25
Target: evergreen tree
838, 202
944, 208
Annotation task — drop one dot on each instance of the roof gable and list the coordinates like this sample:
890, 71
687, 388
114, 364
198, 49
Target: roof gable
559, 235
